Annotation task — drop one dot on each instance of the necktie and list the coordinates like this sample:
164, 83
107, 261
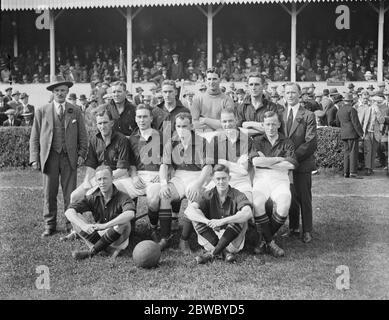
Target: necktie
290, 121
61, 111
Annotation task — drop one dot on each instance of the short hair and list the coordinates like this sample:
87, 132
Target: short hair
104, 167
257, 75
101, 110
293, 84
213, 70
183, 116
229, 110
220, 168
270, 114
169, 83
144, 107
119, 83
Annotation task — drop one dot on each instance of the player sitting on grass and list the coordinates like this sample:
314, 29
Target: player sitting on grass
220, 218
272, 155
112, 212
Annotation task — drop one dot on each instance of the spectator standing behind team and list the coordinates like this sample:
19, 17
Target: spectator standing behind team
350, 132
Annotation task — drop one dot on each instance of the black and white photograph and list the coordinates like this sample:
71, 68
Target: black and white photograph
194, 155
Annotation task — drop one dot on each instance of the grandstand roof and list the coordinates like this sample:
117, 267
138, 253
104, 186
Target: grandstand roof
79, 4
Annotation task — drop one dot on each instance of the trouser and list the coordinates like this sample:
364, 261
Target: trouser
301, 201
370, 146
350, 152
57, 170
382, 153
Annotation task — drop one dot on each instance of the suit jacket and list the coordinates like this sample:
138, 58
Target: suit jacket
176, 71
347, 120
137, 100
303, 135
41, 137
331, 116
379, 120
7, 123
327, 103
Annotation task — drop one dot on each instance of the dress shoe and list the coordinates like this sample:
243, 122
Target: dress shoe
204, 258
48, 233
184, 246
164, 244
80, 255
275, 250
369, 172
307, 237
260, 248
346, 175
355, 176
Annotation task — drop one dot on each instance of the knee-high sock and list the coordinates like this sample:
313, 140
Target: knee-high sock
165, 219
187, 228
263, 225
276, 222
92, 238
207, 233
231, 232
108, 238
153, 217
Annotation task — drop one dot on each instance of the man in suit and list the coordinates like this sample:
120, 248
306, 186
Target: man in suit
3, 108
332, 111
300, 127
176, 69
12, 121
58, 144
350, 131
372, 120
138, 99
26, 112
8, 95
327, 101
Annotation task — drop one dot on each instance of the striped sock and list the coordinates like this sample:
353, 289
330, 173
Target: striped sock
108, 238
92, 238
231, 232
207, 233
263, 224
153, 217
165, 220
276, 222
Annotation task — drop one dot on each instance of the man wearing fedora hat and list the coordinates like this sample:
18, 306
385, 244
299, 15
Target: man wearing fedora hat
3, 107
58, 144
15, 102
176, 68
328, 101
8, 95
26, 111
331, 113
12, 121
138, 99
372, 121
350, 132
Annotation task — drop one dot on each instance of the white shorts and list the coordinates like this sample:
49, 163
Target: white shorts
182, 179
127, 185
271, 183
234, 247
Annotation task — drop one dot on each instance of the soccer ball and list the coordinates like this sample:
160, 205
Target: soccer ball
146, 254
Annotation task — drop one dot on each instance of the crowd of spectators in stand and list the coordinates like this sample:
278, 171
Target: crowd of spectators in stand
159, 60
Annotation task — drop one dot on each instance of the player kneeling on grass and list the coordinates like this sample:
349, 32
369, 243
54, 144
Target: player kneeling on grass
272, 155
220, 218
186, 154
112, 212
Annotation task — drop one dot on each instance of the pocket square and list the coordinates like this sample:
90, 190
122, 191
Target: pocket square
74, 120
